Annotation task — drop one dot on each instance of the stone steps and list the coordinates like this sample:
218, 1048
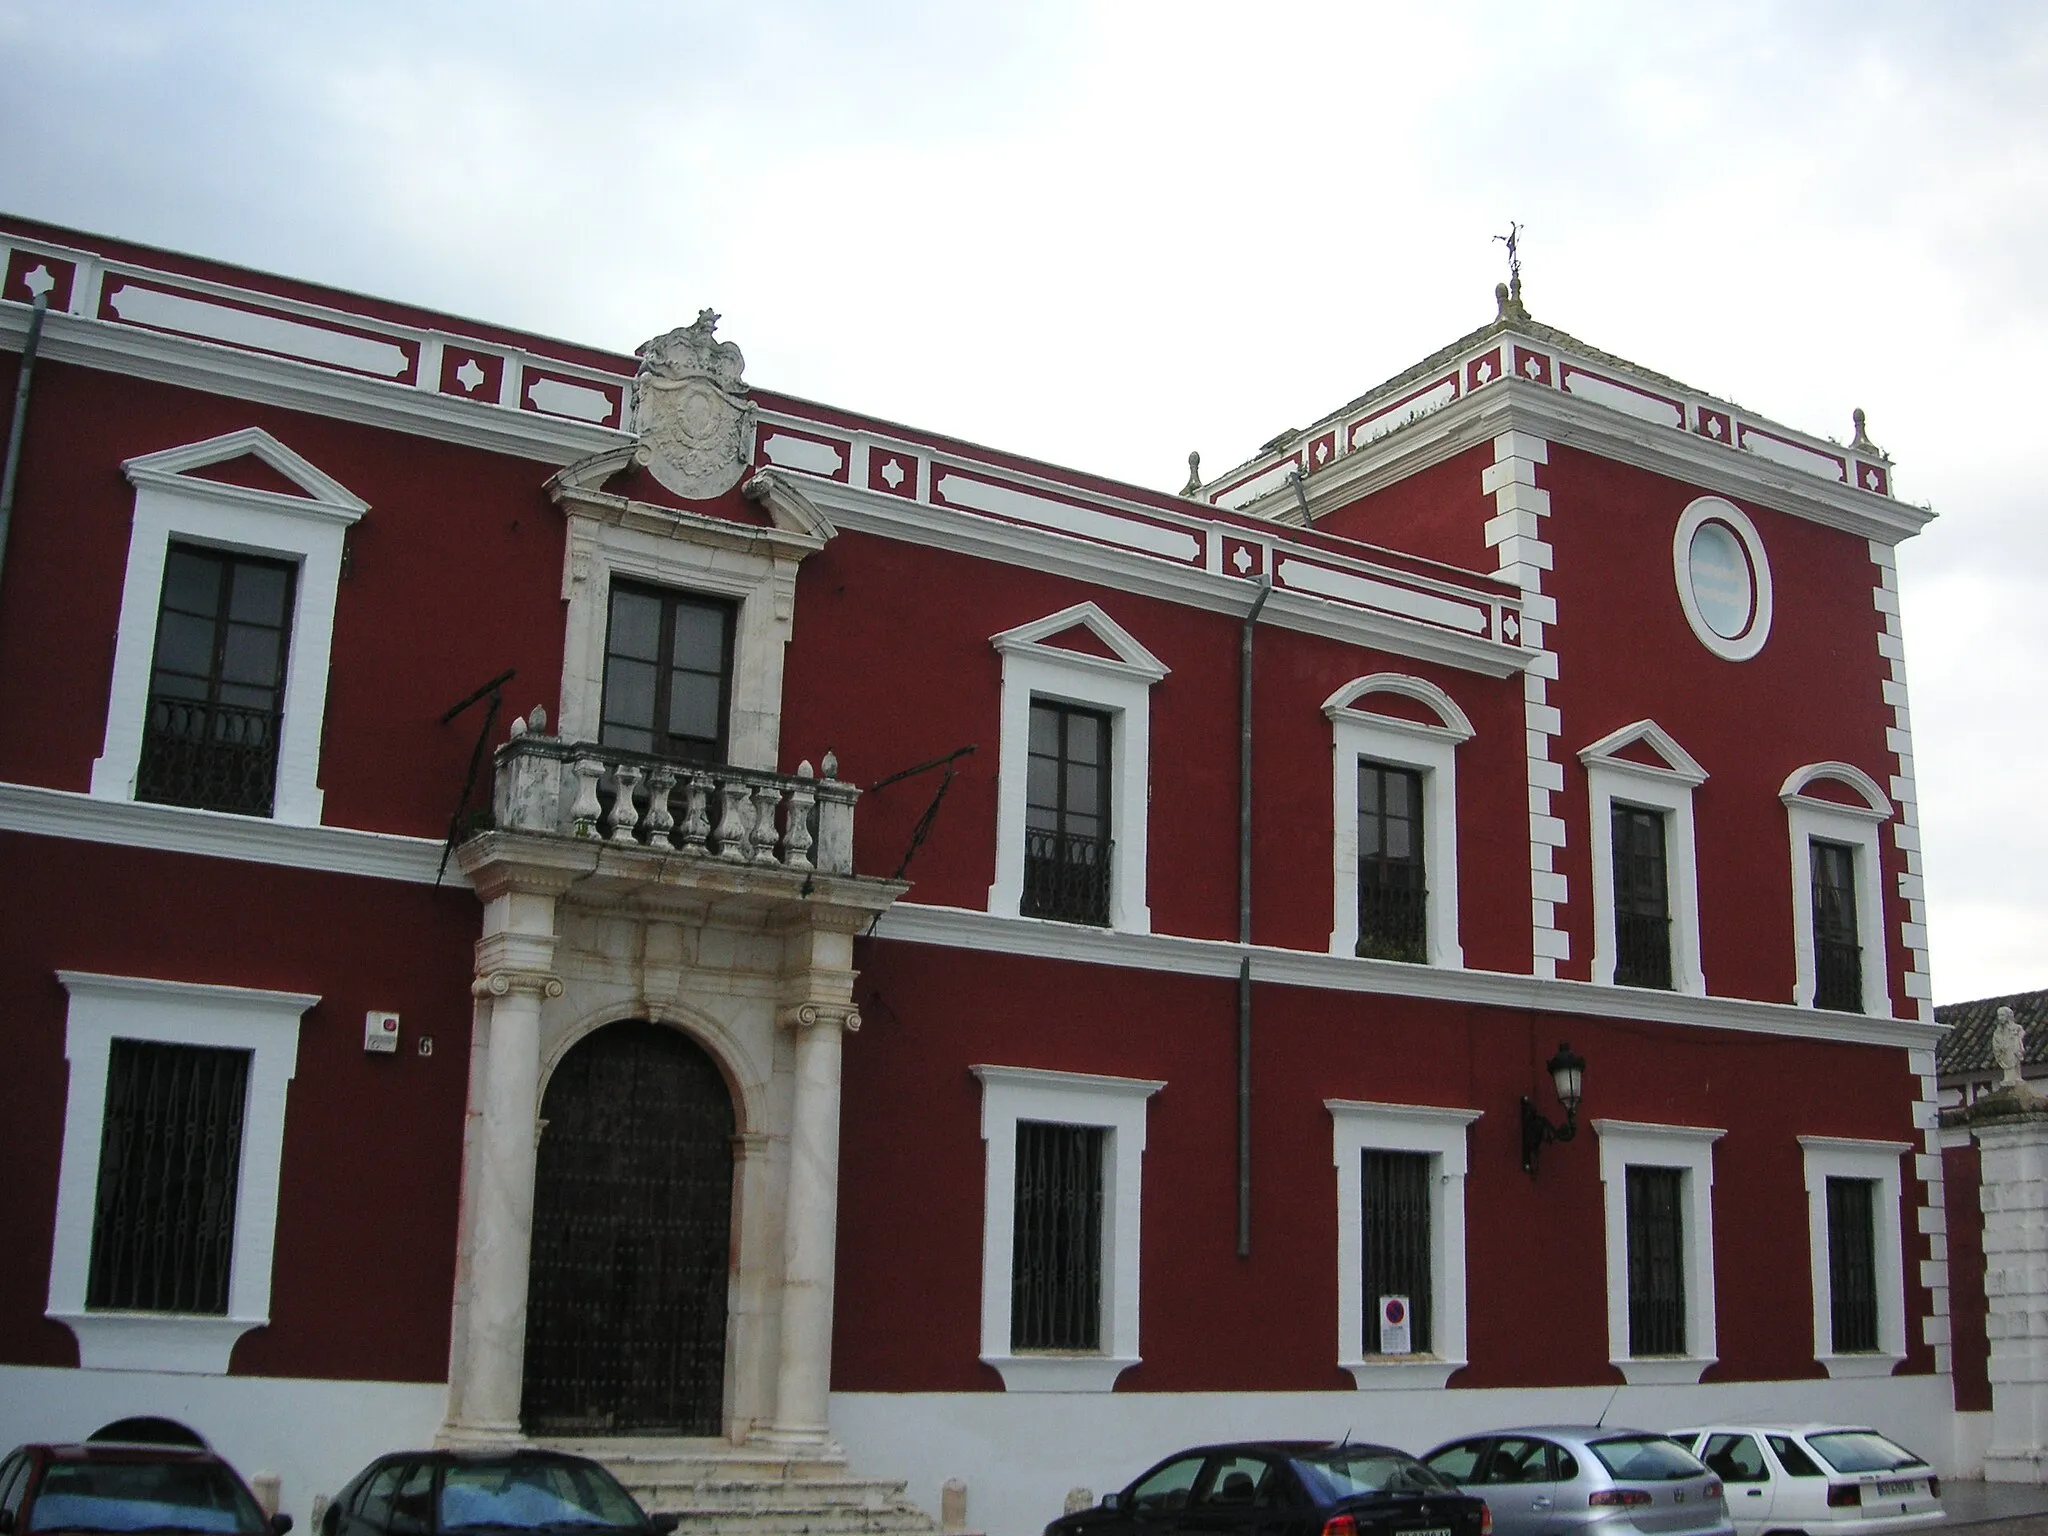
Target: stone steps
722, 1490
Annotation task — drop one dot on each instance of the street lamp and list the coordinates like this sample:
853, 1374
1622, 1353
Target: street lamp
1567, 1071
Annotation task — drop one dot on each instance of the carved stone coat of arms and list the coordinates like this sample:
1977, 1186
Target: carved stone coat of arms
692, 414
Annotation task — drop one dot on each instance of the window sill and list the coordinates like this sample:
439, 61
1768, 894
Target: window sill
1060, 1373
1665, 1371
1850, 1367
181, 1343
1385, 1373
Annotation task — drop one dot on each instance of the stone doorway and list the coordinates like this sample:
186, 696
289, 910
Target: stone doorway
632, 1235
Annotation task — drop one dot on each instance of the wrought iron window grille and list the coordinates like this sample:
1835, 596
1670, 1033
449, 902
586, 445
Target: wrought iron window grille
1656, 1261
1396, 1233
1056, 1254
1852, 1265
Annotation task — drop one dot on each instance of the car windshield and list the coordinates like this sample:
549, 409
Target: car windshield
1358, 1470
1861, 1450
1646, 1459
144, 1496
534, 1495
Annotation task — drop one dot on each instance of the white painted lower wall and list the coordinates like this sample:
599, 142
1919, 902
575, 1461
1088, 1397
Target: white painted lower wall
1020, 1453
315, 1435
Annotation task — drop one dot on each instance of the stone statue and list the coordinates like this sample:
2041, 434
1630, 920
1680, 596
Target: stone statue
691, 410
2008, 1047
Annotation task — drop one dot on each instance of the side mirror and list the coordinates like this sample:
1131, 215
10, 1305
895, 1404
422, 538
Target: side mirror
1112, 1501
280, 1523
663, 1525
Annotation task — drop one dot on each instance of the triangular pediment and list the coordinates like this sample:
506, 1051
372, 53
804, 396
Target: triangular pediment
247, 463
1083, 633
1645, 747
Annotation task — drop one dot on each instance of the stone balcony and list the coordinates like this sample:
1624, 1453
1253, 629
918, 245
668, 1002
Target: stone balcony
627, 819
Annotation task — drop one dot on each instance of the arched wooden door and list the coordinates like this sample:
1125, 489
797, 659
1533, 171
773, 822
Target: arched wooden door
632, 1221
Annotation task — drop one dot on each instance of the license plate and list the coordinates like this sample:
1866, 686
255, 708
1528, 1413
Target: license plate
1429, 1530
1898, 1486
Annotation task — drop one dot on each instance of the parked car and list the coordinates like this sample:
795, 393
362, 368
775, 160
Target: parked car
1284, 1488
1842, 1480
112, 1485
425, 1493
1563, 1479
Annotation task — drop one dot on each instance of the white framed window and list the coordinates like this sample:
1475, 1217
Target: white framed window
1812, 819
105, 1014
1859, 1283
1116, 686
1640, 767
1114, 1107
1432, 1240
1660, 1248
1724, 578
175, 503
753, 568
1367, 740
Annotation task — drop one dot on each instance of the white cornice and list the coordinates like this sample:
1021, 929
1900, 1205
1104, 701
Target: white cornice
1036, 938
1512, 404
297, 386
1038, 549
63, 813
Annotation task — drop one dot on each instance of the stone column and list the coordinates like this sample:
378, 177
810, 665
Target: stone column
803, 1379
514, 976
2011, 1129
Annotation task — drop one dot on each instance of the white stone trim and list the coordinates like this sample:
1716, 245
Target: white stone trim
1690, 1149
985, 933
1808, 817
1515, 532
1715, 509
66, 813
103, 1009
1442, 1134
1878, 1161
1119, 685
754, 568
1884, 597
1361, 735
1609, 778
1117, 1105
172, 503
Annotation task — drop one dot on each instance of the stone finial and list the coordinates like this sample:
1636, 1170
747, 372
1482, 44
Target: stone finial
518, 727
1194, 485
537, 721
1507, 298
2008, 1047
1079, 1499
1861, 442
953, 1507
831, 765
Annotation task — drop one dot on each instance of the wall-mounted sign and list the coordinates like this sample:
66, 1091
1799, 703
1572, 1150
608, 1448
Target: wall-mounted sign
1724, 581
1395, 1329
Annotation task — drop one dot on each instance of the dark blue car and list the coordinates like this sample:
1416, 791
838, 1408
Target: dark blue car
1285, 1488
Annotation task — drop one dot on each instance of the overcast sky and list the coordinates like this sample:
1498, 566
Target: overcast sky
1109, 233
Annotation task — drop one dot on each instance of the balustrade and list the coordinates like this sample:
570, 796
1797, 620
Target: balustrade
706, 811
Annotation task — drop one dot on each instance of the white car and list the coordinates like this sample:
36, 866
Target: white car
1817, 1479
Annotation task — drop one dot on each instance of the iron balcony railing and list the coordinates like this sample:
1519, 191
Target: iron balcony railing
1393, 922
1838, 979
1066, 876
217, 757
794, 821
1642, 950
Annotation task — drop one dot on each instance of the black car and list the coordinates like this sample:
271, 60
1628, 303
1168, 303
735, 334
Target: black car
426, 1493
116, 1485
1285, 1488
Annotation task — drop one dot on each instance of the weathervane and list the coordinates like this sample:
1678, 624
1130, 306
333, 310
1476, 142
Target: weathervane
1509, 294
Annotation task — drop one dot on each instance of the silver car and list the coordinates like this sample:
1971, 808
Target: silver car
1567, 1479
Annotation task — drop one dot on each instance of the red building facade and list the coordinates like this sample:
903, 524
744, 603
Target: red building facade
1015, 1114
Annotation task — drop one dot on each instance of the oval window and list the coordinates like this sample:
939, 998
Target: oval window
1724, 580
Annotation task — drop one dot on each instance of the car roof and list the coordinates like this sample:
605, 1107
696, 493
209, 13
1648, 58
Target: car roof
1582, 1432
1778, 1427
123, 1450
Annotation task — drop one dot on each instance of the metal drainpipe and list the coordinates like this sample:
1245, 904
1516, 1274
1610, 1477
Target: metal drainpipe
1244, 921
20, 426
